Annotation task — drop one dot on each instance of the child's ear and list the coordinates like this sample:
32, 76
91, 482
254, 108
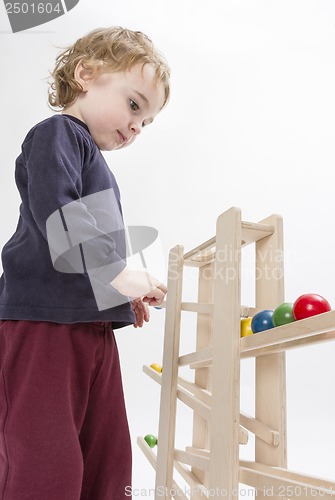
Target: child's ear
84, 76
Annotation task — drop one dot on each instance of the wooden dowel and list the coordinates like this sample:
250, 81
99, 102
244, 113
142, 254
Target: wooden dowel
251, 232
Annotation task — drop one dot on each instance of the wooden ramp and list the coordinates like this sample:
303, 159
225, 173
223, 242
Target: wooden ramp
211, 465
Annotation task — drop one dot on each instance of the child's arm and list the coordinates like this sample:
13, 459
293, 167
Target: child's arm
140, 284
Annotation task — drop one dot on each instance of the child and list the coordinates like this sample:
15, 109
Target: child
65, 284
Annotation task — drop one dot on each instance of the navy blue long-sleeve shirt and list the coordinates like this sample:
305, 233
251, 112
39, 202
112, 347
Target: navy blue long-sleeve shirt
70, 241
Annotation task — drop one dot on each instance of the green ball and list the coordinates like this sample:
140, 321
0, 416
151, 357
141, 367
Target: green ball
283, 314
151, 440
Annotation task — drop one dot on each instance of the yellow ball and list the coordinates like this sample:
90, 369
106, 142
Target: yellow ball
246, 327
157, 367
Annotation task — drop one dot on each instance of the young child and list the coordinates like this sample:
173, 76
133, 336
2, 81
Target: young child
66, 285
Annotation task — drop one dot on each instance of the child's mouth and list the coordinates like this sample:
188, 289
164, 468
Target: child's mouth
122, 137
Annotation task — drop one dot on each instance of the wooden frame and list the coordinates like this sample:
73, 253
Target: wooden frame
211, 465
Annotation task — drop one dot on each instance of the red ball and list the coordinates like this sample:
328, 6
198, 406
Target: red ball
310, 304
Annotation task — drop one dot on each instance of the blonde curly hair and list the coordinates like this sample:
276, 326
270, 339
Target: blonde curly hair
105, 50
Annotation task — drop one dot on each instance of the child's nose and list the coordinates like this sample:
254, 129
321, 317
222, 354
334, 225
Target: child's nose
136, 127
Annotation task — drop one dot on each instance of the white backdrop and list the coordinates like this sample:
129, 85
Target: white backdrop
251, 123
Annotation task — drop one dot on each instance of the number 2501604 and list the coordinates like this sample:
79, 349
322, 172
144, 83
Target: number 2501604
33, 8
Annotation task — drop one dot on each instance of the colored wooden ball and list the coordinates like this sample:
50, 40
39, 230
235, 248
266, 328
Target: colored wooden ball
246, 327
151, 440
157, 367
262, 321
310, 304
283, 314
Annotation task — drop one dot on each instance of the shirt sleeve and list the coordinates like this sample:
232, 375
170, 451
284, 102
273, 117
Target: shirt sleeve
82, 231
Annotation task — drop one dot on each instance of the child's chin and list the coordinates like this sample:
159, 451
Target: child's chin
110, 147
122, 146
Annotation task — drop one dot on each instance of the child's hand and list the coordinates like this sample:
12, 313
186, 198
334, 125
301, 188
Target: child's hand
141, 311
140, 284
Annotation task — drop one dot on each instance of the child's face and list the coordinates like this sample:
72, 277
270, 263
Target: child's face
116, 106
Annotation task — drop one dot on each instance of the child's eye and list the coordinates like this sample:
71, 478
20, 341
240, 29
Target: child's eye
134, 106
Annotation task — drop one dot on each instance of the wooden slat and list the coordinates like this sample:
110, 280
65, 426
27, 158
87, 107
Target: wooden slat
200, 308
198, 451
270, 371
207, 308
204, 411
157, 377
318, 328
224, 423
275, 340
198, 490
207, 363
152, 458
192, 459
260, 429
273, 482
200, 393
192, 402
148, 452
326, 484
168, 401
202, 377
196, 356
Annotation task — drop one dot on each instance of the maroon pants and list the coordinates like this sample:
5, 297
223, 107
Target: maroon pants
63, 425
